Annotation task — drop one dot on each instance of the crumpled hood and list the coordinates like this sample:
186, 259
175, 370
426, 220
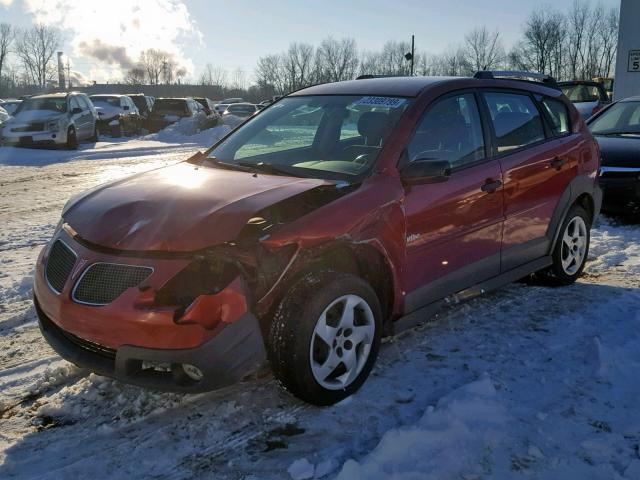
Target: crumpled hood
37, 116
178, 208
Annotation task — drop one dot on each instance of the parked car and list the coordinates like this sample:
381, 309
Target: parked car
207, 104
144, 104
221, 107
617, 129
588, 97
11, 105
208, 109
241, 110
302, 243
117, 114
53, 119
4, 116
607, 83
170, 110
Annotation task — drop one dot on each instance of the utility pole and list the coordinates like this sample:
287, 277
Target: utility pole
409, 55
68, 75
413, 52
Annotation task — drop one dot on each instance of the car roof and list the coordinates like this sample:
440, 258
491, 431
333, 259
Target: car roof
51, 95
394, 86
117, 95
635, 98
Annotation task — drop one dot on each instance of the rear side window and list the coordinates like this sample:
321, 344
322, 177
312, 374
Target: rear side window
516, 120
558, 114
450, 130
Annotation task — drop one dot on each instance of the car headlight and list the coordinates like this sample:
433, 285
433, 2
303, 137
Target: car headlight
55, 125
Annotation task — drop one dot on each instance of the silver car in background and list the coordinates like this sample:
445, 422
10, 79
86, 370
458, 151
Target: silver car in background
588, 97
59, 119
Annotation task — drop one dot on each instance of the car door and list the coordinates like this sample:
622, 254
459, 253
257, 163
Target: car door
77, 116
88, 119
537, 168
454, 227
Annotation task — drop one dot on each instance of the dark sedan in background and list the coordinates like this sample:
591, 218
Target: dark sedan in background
617, 129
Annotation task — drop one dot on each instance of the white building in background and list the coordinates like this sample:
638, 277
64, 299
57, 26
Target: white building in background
627, 82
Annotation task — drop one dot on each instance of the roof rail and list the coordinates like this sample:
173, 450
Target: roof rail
532, 77
367, 76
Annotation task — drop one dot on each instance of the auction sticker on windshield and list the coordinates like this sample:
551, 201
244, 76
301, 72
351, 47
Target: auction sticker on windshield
387, 102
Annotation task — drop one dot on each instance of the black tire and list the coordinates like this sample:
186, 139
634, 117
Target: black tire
72, 139
94, 137
556, 274
292, 331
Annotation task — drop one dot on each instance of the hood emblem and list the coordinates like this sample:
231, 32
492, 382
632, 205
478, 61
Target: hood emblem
77, 268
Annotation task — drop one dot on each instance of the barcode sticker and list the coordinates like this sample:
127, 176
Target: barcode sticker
387, 102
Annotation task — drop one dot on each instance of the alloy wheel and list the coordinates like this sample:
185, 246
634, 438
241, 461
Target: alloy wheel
574, 245
341, 342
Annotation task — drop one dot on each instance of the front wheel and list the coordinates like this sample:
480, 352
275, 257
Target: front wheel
572, 248
325, 337
72, 139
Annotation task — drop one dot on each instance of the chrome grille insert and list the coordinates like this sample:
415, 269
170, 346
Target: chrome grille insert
102, 283
59, 265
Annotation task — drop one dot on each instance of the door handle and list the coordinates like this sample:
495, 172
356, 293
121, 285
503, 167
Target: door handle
558, 163
491, 186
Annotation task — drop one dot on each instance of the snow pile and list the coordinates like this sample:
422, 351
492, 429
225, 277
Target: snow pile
444, 442
187, 130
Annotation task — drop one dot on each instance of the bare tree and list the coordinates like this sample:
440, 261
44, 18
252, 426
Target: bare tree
36, 47
577, 19
7, 35
152, 61
544, 34
484, 49
213, 76
238, 79
337, 60
135, 76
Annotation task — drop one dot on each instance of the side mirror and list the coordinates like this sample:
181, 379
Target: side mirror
426, 170
126, 107
76, 111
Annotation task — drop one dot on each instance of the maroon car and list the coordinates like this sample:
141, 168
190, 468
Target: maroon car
314, 228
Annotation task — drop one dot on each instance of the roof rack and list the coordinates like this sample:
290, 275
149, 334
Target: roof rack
532, 77
367, 76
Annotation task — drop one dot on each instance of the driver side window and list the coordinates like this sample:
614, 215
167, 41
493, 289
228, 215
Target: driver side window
451, 131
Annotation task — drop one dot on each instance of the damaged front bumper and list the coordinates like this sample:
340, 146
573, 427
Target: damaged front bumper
140, 340
224, 360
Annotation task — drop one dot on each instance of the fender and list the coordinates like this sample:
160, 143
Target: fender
582, 184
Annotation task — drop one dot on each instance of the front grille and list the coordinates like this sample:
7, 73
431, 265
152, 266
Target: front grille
32, 127
59, 265
102, 283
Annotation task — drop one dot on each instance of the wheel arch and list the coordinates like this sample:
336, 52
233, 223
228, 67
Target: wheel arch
360, 259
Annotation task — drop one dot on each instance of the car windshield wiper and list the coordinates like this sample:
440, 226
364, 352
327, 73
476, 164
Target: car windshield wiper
270, 168
228, 166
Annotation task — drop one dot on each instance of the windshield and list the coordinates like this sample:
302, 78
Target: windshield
164, 106
241, 109
10, 107
581, 93
49, 104
622, 117
112, 101
334, 136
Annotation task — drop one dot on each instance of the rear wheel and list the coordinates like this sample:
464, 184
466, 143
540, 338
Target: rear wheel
72, 139
325, 337
572, 248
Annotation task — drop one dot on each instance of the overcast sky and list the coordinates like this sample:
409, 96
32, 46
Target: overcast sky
234, 33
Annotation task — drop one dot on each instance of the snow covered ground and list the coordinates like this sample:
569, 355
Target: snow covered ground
526, 382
